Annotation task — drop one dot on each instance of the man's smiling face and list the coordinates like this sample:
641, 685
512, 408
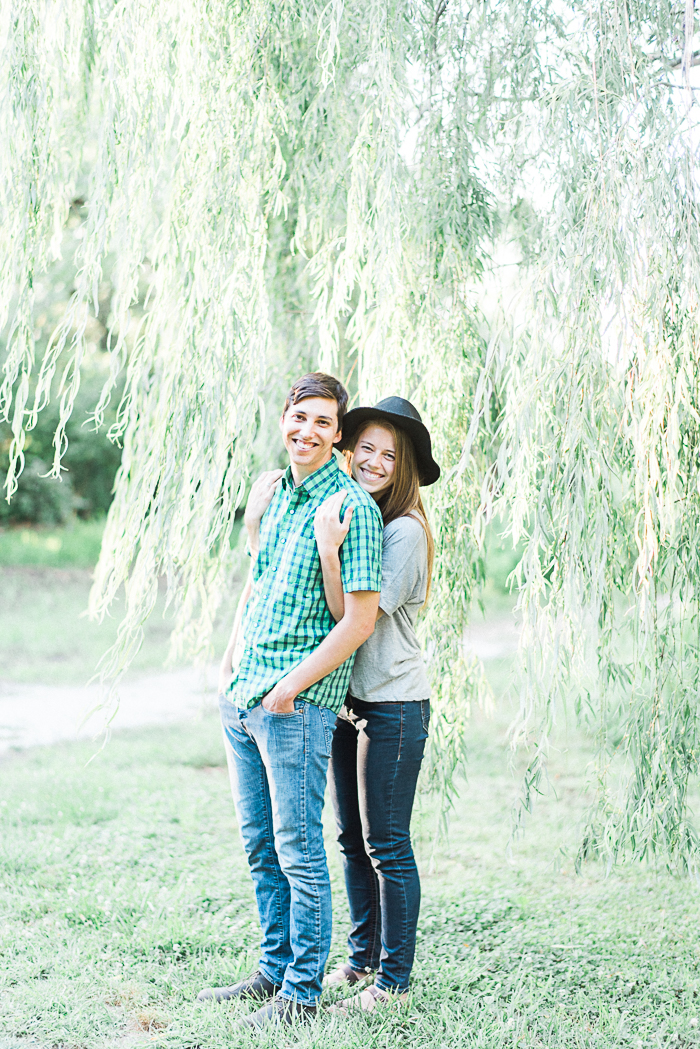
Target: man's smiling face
309, 430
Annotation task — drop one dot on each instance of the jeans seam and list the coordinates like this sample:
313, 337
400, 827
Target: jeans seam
278, 894
376, 939
374, 952
392, 838
403, 883
377, 912
402, 707
305, 841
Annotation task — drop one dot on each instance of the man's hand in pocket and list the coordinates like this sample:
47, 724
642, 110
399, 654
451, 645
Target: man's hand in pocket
279, 701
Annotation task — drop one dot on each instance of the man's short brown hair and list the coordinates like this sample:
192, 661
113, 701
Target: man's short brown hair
318, 384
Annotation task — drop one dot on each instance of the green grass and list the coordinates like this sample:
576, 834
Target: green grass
74, 546
46, 637
125, 890
123, 886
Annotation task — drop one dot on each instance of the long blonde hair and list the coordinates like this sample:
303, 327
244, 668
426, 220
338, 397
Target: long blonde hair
402, 497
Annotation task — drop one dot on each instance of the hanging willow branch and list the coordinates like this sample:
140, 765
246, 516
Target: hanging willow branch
321, 184
597, 464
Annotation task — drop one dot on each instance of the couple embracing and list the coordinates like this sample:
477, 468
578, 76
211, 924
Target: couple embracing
328, 682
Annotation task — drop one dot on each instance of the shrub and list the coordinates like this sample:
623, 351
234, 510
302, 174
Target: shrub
91, 461
41, 500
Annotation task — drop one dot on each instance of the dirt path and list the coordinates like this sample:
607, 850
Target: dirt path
32, 715
35, 715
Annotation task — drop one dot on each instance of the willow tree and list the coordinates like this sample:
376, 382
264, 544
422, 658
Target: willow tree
327, 184
597, 393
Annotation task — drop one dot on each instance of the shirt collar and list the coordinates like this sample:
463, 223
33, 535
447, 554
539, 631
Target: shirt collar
315, 482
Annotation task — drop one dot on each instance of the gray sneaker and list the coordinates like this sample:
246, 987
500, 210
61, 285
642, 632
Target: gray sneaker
255, 986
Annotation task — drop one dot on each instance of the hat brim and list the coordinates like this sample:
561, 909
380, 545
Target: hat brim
428, 469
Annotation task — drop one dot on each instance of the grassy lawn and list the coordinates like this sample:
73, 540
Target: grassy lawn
45, 636
125, 890
73, 546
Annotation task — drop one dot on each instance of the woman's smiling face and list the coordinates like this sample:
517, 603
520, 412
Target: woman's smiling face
374, 459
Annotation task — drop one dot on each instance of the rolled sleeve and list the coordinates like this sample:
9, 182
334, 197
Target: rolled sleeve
361, 552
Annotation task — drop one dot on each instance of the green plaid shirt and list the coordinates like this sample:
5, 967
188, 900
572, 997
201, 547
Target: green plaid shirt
287, 617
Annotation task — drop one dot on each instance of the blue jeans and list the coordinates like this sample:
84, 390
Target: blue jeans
278, 764
376, 757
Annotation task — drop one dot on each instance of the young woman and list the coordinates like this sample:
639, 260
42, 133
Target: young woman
381, 731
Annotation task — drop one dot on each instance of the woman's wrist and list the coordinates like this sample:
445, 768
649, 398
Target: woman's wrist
328, 553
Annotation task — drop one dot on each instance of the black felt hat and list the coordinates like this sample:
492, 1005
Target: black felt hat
401, 413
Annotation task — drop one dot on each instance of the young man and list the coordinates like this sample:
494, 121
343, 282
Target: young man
279, 710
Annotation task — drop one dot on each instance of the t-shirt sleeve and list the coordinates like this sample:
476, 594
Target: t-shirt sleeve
361, 552
404, 560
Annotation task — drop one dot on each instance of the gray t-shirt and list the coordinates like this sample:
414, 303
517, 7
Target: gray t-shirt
389, 666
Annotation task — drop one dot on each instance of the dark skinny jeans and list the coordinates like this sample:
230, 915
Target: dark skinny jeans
375, 760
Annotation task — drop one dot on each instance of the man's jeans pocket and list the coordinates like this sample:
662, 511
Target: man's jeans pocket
281, 735
299, 705
425, 714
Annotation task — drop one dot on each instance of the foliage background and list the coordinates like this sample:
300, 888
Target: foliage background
273, 186
90, 461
